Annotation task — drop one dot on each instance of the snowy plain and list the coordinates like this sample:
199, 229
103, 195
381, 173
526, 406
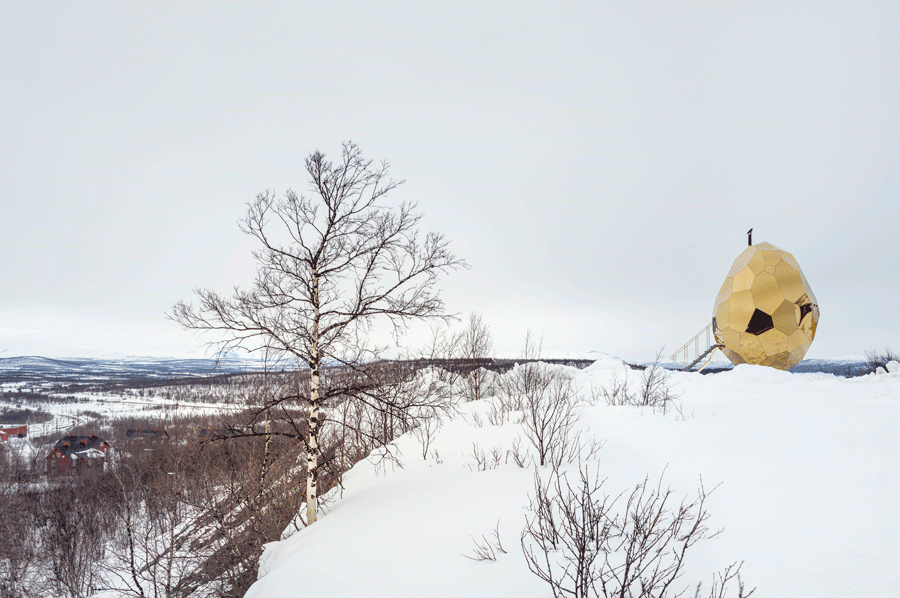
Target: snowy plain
805, 470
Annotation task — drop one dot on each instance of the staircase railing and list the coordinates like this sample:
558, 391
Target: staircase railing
699, 354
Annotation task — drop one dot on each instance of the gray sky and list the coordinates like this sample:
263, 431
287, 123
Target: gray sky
597, 163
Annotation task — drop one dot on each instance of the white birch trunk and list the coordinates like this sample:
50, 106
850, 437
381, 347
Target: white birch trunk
312, 452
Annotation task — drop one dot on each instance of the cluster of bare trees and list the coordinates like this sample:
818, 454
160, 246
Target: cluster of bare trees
177, 518
548, 405
222, 392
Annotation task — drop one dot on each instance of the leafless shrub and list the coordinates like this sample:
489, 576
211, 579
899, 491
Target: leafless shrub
588, 450
550, 412
549, 403
443, 347
582, 546
157, 548
485, 461
391, 401
475, 420
426, 431
243, 507
497, 453
487, 548
615, 393
475, 345
879, 359
654, 389
518, 453
499, 412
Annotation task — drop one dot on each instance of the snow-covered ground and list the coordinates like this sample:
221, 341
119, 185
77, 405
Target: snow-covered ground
806, 471
68, 414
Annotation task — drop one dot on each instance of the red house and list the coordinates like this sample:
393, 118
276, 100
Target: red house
76, 453
7, 432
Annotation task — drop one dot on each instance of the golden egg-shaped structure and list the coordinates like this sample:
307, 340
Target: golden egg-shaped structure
765, 313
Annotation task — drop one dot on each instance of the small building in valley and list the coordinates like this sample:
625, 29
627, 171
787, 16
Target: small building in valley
73, 454
7, 432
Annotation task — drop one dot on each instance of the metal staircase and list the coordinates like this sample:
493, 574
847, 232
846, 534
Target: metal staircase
709, 347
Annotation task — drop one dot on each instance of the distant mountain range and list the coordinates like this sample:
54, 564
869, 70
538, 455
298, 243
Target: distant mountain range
839, 367
34, 369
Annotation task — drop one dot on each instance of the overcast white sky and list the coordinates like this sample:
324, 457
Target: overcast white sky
597, 163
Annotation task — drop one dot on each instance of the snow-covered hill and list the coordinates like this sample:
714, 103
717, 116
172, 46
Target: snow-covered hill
804, 466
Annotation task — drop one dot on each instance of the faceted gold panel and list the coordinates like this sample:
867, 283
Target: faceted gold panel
766, 293
785, 318
757, 263
739, 264
765, 312
740, 310
743, 280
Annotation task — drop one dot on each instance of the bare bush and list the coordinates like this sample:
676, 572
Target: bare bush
616, 392
518, 453
426, 431
654, 389
582, 546
443, 348
549, 404
722, 582
879, 359
475, 346
392, 401
487, 548
485, 461
245, 507
499, 412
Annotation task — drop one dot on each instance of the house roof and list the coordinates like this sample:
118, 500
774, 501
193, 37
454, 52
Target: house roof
73, 445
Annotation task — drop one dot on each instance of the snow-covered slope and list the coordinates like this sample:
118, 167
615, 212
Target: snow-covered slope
805, 468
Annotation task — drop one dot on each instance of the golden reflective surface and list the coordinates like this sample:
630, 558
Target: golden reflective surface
765, 312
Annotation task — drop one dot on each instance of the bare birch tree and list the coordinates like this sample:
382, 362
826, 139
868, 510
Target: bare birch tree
330, 265
476, 346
